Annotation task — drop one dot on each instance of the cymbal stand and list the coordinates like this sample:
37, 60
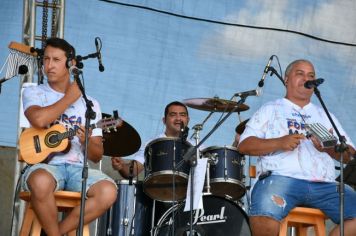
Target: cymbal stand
192, 159
197, 129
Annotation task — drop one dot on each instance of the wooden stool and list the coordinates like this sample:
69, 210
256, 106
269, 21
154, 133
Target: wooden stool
302, 218
65, 201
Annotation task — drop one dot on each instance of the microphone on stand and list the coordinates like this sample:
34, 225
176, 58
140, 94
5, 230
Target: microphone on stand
183, 132
313, 83
265, 72
73, 70
245, 94
98, 51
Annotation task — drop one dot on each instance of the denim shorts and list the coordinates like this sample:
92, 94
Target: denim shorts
276, 195
67, 176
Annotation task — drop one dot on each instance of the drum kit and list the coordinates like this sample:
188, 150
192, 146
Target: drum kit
155, 206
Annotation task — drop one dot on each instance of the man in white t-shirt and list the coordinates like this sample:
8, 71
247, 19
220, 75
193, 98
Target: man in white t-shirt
294, 170
59, 101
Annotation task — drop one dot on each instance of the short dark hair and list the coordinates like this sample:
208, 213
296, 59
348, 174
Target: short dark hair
175, 103
61, 44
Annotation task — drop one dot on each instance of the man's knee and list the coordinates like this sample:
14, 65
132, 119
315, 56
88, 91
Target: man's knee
105, 192
40, 181
264, 225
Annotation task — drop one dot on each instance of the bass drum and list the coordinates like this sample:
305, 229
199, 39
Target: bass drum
219, 216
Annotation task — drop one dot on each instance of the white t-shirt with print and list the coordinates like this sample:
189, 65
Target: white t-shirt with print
43, 95
282, 117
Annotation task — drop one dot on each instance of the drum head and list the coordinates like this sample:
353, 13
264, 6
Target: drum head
218, 217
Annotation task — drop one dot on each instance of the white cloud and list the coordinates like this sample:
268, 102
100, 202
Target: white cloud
333, 20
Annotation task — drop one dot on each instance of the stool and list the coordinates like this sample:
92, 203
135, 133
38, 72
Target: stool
302, 218
65, 201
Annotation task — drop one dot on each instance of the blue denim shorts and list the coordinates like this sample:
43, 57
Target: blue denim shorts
67, 176
276, 195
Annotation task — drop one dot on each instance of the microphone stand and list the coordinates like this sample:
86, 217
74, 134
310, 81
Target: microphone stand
274, 71
80, 58
341, 149
192, 159
89, 115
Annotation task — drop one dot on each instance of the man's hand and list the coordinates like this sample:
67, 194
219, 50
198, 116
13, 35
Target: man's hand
117, 163
291, 141
81, 134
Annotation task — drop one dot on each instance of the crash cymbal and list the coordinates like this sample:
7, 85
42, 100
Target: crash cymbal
122, 142
214, 104
241, 127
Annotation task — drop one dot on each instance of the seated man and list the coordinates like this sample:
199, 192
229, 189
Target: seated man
294, 170
174, 114
60, 102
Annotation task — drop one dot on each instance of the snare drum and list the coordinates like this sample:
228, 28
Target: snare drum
159, 169
130, 214
226, 171
219, 216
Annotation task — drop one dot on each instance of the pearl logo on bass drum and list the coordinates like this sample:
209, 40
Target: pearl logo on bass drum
200, 218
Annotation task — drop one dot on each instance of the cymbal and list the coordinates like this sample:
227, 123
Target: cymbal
241, 127
122, 142
214, 104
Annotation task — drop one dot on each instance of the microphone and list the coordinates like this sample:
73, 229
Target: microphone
313, 83
73, 70
265, 72
183, 132
181, 127
245, 94
98, 52
23, 69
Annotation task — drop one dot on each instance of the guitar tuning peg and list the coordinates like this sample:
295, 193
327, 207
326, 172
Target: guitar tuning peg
116, 114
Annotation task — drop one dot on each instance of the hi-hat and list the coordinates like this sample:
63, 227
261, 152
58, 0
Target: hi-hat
122, 142
214, 104
241, 127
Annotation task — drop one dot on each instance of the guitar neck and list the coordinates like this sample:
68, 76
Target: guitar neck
67, 134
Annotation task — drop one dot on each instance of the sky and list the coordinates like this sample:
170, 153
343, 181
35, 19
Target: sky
155, 52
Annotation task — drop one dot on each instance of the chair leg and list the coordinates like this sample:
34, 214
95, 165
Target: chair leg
302, 231
36, 228
28, 219
283, 228
320, 228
